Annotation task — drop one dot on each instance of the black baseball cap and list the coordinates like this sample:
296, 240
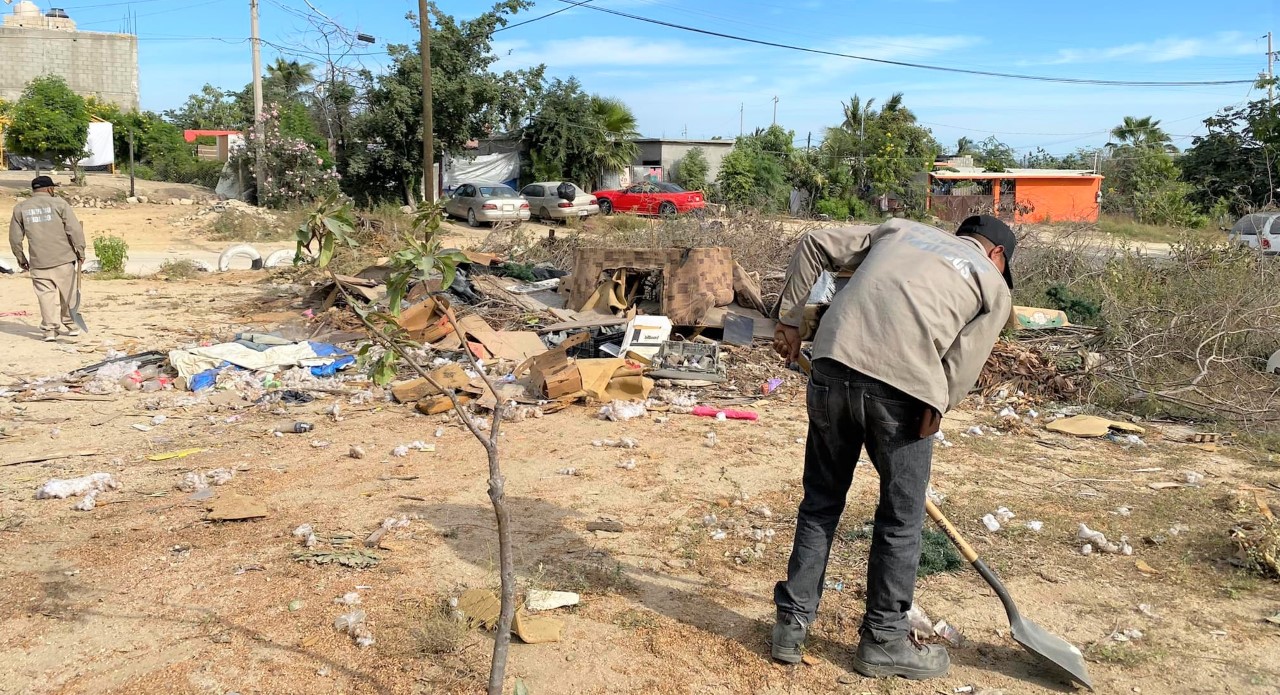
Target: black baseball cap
996, 232
42, 182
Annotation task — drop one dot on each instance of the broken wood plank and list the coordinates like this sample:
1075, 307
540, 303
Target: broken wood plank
494, 287
65, 397
49, 457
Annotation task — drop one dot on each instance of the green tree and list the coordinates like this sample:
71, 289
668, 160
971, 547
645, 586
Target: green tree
692, 170
1238, 160
581, 136
876, 152
754, 173
966, 147
285, 78
49, 122
993, 155
1140, 133
469, 100
1082, 158
210, 109
617, 124
563, 135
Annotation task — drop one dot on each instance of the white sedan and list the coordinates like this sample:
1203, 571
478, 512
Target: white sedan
486, 203
559, 200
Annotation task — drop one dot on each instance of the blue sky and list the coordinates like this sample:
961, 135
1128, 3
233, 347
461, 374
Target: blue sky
679, 82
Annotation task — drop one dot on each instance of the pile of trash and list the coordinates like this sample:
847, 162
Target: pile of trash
252, 364
624, 323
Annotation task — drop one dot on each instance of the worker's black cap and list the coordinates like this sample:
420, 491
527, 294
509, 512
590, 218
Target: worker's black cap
42, 182
996, 232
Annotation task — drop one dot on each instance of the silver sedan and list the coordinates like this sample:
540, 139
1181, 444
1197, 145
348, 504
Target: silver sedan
547, 202
486, 203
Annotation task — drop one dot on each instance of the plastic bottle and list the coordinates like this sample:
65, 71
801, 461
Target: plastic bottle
295, 427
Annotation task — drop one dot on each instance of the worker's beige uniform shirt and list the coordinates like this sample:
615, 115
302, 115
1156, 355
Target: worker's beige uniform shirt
54, 235
921, 312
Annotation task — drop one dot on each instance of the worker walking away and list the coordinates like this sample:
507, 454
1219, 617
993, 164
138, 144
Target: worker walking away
55, 248
900, 344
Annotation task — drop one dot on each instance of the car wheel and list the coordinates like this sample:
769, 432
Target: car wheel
606, 208
667, 209
471, 219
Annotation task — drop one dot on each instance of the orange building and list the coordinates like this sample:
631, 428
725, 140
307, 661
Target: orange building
1017, 195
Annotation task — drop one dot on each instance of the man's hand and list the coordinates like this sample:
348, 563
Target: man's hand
786, 342
25, 266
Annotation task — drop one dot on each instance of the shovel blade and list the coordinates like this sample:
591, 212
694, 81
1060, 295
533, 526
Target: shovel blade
1052, 649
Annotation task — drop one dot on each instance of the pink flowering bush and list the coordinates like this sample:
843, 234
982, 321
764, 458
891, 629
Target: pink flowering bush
293, 173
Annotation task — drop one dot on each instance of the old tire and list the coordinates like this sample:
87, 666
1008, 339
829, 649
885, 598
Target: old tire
471, 219
606, 207
280, 257
667, 209
255, 258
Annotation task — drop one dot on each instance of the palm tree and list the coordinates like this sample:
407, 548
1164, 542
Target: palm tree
965, 145
290, 76
1141, 133
617, 149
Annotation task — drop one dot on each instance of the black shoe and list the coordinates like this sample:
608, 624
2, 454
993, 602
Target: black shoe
789, 634
900, 657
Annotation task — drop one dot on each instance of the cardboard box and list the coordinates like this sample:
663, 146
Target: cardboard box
554, 375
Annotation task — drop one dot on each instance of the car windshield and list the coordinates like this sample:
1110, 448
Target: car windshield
497, 192
670, 188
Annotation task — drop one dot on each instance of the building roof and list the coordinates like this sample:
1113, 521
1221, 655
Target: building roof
191, 135
966, 173
683, 141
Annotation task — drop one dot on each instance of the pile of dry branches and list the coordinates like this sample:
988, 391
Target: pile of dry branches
1187, 332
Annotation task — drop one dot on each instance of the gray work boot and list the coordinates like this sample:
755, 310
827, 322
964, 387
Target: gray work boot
789, 634
901, 657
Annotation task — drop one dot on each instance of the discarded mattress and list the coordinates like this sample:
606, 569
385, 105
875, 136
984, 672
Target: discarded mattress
200, 366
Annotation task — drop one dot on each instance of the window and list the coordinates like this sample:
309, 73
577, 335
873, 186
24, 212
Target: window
670, 188
498, 192
532, 192
465, 191
637, 188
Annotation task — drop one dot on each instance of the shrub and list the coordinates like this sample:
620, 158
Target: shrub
179, 269
112, 252
834, 208
294, 173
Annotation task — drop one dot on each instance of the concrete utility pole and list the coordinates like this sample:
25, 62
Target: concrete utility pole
132, 191
775, 110
259, 176
742, 110
428, 123
1271, 75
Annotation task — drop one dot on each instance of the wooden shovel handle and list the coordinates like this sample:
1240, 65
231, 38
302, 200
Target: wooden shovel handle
970, 555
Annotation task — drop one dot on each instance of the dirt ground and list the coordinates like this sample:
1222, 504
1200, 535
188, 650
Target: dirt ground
144, 595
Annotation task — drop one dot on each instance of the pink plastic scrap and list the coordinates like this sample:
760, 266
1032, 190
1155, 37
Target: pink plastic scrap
708, 411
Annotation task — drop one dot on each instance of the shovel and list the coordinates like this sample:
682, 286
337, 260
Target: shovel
75, 308
1054, 650
1032, 637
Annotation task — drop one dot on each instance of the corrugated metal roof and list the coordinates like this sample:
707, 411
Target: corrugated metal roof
978, 173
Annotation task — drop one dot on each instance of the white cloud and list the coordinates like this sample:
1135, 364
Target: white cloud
1220, 45
609, 51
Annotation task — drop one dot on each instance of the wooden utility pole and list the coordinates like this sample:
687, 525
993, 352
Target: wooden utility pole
259, 131
428, 123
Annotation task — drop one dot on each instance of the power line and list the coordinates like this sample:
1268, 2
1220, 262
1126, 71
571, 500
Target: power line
919, 66
549, 14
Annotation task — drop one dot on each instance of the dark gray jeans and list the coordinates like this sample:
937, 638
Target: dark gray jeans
848, 410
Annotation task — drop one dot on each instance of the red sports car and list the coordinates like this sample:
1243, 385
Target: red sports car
647, 198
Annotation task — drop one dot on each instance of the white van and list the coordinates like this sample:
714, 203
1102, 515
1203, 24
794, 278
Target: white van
1258, 230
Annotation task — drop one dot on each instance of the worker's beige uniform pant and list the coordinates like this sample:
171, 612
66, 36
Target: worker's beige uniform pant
55, 290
